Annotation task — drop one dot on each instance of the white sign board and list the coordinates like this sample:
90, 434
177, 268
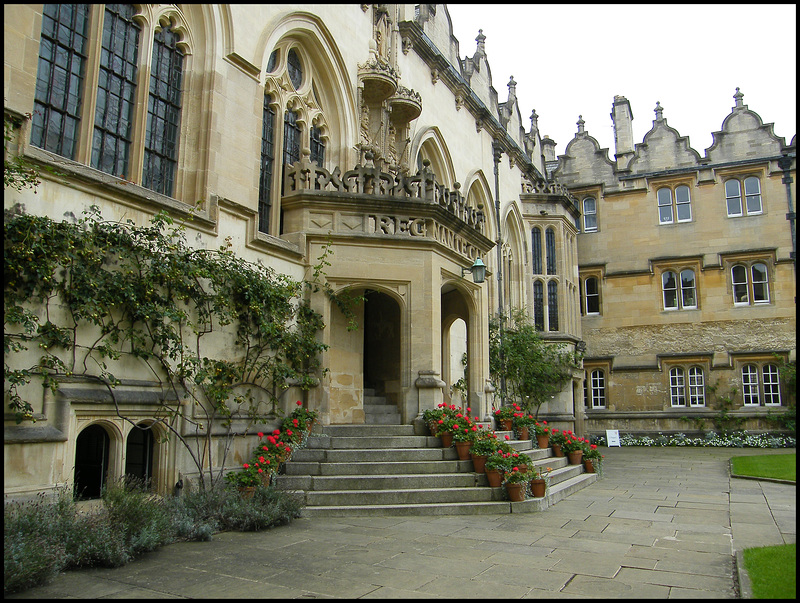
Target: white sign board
612, 438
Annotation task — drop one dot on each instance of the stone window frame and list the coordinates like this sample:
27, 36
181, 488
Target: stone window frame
742, 195
586, 214
595, 387
150, 19
748, 262
685, 367
677, 268
759, 367
675, 206
309, 118
584, 276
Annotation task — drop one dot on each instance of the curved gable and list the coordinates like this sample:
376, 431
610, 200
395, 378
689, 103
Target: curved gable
743, 135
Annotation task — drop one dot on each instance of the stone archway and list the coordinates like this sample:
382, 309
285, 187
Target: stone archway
92, 449
139, 454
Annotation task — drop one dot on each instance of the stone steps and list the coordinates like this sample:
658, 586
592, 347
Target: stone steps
374, 469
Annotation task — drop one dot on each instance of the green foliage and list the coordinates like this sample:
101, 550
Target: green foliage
772, 571
142, 293
776, 466
43, 537
17, 172
533, 370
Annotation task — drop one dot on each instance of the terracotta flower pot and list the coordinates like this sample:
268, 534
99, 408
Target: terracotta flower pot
588, 465
463, 450
516, 492
543, 441
523, 433
538, 487
478, 462
557, 450
495, 478
447, 439
506, 425
247, 491
575, 457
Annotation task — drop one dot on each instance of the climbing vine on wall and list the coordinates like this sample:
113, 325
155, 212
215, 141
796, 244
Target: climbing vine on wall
222, 336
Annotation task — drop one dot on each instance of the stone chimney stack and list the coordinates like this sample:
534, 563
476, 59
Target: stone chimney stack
548, 148
622, 116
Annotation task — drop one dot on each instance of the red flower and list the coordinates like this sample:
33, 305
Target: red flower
288, 450
469, 409
593, 446
267, 461
246, 466
261, 471
288, 432
294, 422
262, 459
508, 437
276, 432
299, 403
441, 421
264, 448
474, 428
515, 469
260, 434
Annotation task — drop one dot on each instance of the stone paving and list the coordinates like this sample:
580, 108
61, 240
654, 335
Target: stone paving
661, 523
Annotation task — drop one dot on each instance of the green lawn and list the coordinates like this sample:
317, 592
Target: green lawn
772, 571
778, 466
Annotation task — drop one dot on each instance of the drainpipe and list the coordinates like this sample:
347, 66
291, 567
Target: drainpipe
497, 151
785, 163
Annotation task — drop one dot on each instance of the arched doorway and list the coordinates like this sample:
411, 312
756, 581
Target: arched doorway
139, 454
382, 344
456, 346
91, 462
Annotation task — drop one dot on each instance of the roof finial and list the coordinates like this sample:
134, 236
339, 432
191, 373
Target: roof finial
534, 120
580, 123
481, 40
659, 112
738, 98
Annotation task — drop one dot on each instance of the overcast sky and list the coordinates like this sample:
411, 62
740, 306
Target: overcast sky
571, 59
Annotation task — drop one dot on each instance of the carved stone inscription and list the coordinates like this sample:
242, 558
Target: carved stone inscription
421, 227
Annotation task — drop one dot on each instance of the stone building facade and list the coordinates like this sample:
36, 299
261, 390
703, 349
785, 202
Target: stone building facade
289, 130
687, 273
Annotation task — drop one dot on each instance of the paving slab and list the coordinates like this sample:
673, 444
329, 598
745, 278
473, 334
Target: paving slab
660, 523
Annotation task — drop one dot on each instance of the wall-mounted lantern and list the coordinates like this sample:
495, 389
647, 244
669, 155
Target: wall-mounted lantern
478, 271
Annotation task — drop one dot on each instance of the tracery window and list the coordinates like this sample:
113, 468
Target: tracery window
291, 91
536, 246
89, 116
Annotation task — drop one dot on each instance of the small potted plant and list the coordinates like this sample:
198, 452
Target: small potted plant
245, 480
484, 445
434, 417
542, 432
464, 433
515, 482
497, 464
505, 416
573, 448
539, 481
592, 459
557, 439
523, 423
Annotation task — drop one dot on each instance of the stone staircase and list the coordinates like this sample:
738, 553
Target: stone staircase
384, 469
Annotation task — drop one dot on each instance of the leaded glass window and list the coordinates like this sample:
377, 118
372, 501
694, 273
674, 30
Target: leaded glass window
552, 306
538, 305
163, 113
59, 81
116, 92
536, 245
267, 164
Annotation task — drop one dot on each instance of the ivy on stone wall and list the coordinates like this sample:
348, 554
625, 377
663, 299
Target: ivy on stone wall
219, 334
